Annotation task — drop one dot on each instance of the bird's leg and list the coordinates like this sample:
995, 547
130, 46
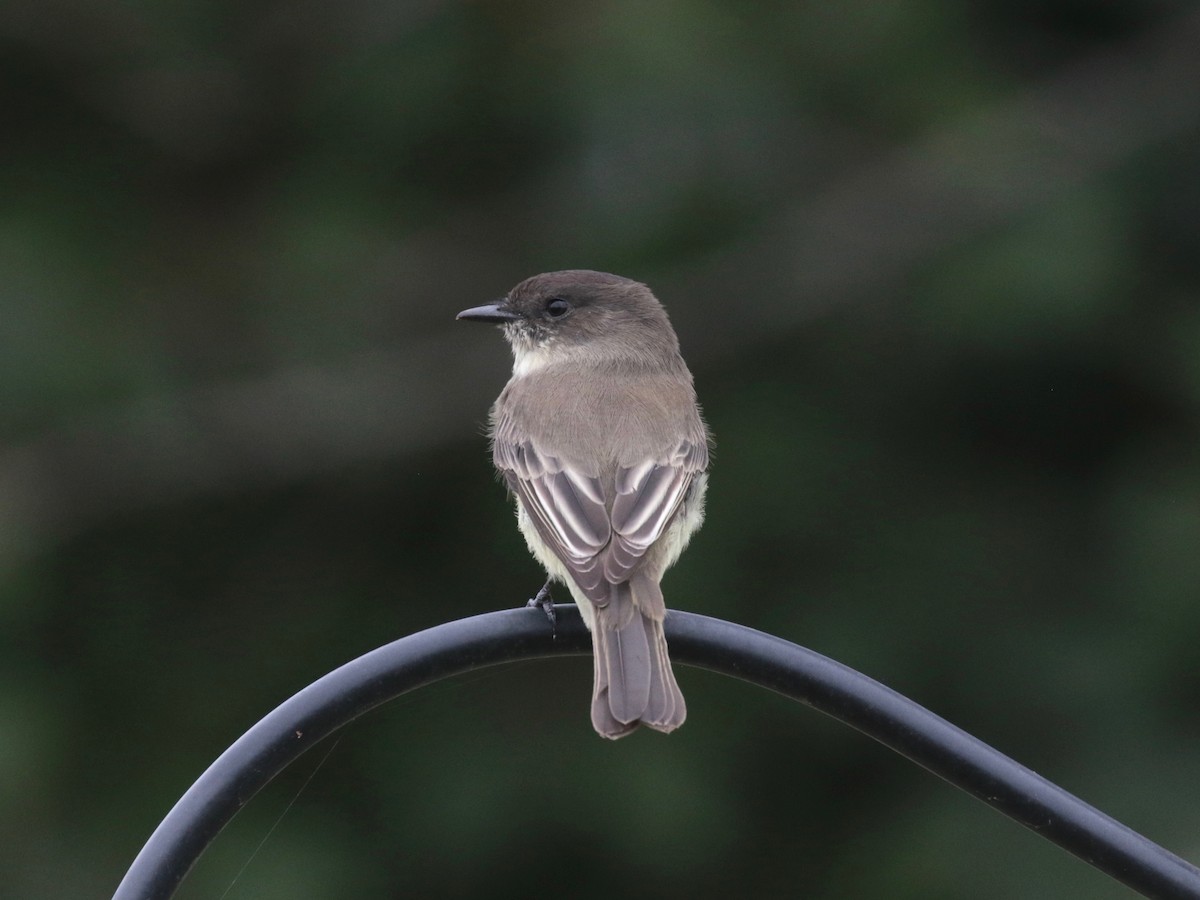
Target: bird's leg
545, 603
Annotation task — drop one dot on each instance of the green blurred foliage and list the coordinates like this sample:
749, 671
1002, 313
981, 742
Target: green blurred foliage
243, 433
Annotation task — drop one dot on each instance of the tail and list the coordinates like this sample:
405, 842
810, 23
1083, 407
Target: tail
634, 683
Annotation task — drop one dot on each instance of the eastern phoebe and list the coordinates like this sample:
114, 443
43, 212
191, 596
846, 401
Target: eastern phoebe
599, 436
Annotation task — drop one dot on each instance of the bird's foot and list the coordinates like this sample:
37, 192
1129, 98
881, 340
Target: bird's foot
543, 601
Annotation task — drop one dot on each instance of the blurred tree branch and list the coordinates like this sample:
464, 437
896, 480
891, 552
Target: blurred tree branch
864, 231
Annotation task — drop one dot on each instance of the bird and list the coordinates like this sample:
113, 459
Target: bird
599, 437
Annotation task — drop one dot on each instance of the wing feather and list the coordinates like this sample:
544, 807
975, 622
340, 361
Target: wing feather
600, 531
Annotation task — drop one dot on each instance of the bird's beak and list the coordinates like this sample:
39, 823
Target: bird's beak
496, 313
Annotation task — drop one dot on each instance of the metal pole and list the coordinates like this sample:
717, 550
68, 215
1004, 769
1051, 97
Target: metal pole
734, 650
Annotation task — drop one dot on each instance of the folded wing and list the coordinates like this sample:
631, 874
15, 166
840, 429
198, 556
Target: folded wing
600, 531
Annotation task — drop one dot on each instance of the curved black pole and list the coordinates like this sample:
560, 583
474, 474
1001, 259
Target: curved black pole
518, 634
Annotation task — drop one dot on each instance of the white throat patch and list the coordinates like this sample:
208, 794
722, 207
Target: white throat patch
528, 361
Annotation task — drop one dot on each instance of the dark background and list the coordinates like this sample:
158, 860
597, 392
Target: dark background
935, 266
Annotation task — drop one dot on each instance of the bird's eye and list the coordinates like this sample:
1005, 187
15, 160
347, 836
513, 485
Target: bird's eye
557, 307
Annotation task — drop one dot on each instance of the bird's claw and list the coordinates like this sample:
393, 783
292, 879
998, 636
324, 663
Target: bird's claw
543, 601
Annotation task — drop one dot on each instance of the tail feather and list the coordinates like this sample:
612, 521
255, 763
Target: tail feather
606, 724
666, 710
634, 683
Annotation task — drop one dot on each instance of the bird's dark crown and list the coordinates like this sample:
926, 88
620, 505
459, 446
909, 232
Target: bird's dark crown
582, 301
585, 316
